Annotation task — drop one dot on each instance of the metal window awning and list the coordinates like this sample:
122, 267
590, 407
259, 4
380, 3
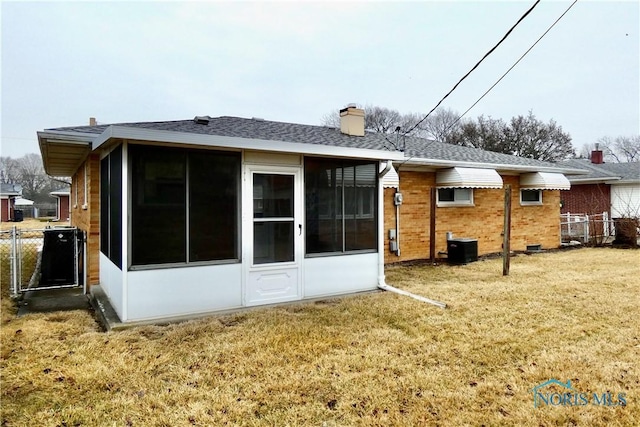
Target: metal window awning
468, 178
544, 181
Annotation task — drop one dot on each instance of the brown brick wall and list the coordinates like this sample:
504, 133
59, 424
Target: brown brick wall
484, 221
414, 216
88, 219
587, 199
531, 225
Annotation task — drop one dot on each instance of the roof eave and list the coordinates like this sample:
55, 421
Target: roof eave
63, 152
217, 141
438, 163
607, 180
627, 181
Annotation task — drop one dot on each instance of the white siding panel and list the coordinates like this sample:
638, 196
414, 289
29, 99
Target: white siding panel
625, 200
391, 179
111, 281
184, 291
326, 276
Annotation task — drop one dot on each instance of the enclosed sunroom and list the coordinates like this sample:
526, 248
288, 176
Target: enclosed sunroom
209, 215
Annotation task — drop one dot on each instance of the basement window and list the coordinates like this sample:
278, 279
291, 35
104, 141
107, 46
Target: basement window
455, 197
530, 197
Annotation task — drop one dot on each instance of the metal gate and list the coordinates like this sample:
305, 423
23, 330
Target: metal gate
42, 259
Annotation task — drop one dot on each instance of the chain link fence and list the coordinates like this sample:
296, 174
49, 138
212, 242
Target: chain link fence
21, 259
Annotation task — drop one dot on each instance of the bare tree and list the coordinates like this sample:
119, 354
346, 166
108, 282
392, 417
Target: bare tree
622, 149
534, 139
8, 170
442, 125
31, 175
523, 136
379, 120
485, 133
28, 171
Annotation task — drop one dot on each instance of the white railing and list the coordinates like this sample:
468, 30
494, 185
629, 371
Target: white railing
594, 228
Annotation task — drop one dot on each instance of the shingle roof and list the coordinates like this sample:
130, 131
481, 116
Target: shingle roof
415, 148
627, 171
10, 189
621, 172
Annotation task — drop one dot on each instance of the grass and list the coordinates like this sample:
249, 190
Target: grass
379, 359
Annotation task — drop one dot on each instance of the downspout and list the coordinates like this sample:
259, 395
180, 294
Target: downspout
398, 228
381, 279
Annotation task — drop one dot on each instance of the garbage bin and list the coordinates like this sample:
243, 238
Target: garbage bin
58, 257
18, 215
462, 250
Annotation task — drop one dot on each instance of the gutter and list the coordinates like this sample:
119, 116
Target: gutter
233, 142
496, 166
381, 279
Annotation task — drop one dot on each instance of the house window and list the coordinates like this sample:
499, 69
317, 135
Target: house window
340, 206
111, 206
530, 197
184, 206
455, 197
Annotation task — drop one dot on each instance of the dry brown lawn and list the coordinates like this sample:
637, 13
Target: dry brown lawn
379, 359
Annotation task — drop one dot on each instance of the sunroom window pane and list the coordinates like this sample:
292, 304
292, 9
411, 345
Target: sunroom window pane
340, 198
159, 215
213, 206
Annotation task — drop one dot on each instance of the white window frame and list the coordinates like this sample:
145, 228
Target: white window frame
531, 203
456, 201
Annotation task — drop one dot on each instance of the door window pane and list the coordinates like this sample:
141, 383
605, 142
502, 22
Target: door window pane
272, 196
272, 242
273, 238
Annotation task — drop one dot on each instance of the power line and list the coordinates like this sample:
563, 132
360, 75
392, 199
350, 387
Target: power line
475, 66
512, 67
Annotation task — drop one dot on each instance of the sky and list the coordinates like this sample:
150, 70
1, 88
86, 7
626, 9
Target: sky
121, 61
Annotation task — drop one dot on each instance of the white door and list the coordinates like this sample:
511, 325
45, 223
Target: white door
273, 233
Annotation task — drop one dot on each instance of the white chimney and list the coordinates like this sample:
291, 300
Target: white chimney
352, 120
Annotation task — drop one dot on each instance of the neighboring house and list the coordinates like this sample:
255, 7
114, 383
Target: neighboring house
8, 195
62, 204
26, 206
613, 188
203, 215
